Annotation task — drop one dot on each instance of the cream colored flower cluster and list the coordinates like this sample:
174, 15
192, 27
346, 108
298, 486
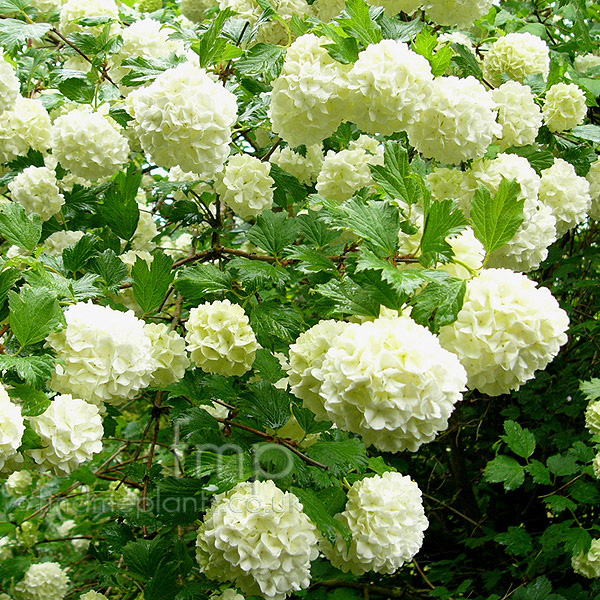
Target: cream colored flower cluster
43, 581
184, 118
564, 107
304, 168
18, 483
145, 38
25, 126
88, 144
462, 13
74, 10
458, 122
308, 96
92, 595
228, 595
345, 172
195, 10
219, 338
388, 380
386, 517
516, 55
55, 243
567, 195
168, 352
519, 115
529, 246
593, 178
592, 417
71, 433
246, 186
12, 428
588, 563
393, 7
9, 84
258, 537
506, 330
36, 190
585, 62
45, 7
389, 85
106, 355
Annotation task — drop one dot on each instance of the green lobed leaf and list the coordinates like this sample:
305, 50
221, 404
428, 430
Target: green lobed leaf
150, 284
268, 404
506, 470
18, 228
496, 220
359, 23
520, 441
120, 212
349, 298
144, 70
587, 132
316, 510
287, 187
443, 219
224, 470
16, 34
76, 256
539, 472
273, 232
563, 464
466, 61
439, 303
341, 457
34, 313
517, 541
110, 268
33, 401
306, 419
197, 282
211, 45
255, 274
263, 60
11, 7
34, 370
276, 325
590, 389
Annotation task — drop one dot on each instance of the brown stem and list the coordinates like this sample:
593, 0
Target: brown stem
307, 459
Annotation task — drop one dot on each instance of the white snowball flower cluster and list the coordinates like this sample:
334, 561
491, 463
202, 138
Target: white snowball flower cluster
519, 115
517, 55
43, 581
184, 118
74, 10
36, 190
452, 184
12, 428
9, 84
18, 483
306, 358
54, 244
92, 595
345, 172
567, 194
393, 7
71, 433
529, 246
308, 96
246, 186
45, 7
228, 595
585, 62
195, 10
588, 563
178, 174
219, 338
390, 381
386, 517
304, 168
168, 351
564, 107
26, 125
326, 10
596, 466
506, 330
468, 250
177, 248
88, 144
258, 537
145, 231
145, 38
389, 85
593, 178
592, 417
106, 353
462, 13
458, 122
274, 31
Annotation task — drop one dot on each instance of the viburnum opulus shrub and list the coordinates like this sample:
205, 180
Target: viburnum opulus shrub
299, 299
